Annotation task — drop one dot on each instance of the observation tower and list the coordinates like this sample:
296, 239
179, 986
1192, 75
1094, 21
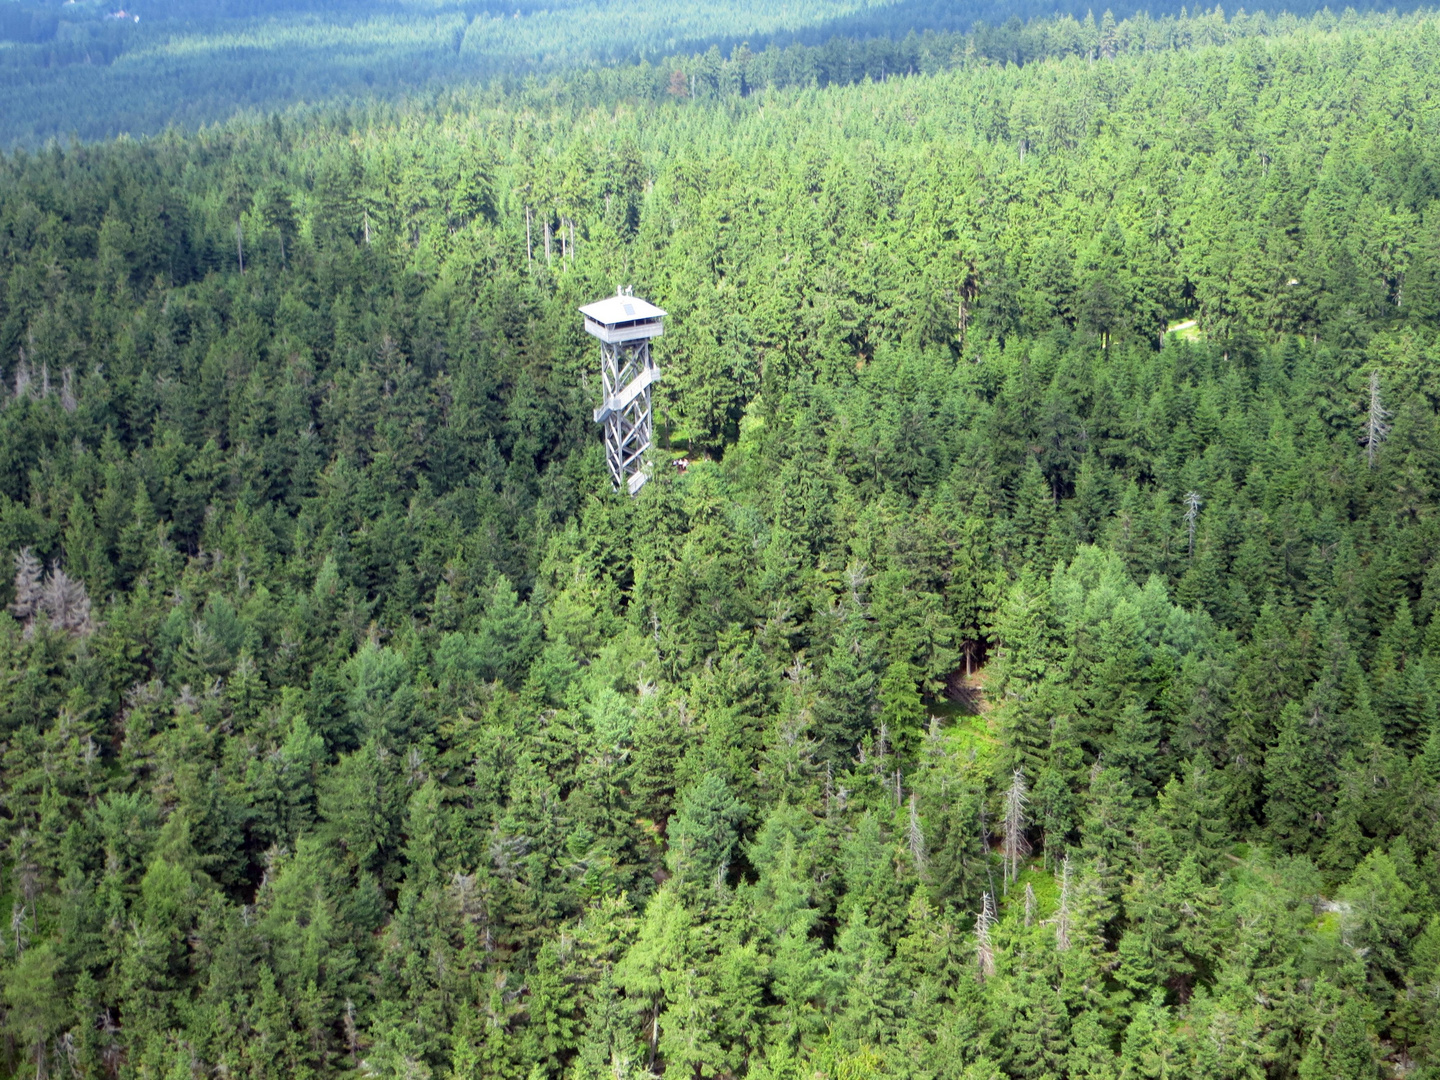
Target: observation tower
625, 324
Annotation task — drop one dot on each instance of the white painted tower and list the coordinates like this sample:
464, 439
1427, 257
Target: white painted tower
625, 324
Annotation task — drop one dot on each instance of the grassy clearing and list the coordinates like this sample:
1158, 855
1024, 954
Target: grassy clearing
970, 740
1189, 330
1045, 885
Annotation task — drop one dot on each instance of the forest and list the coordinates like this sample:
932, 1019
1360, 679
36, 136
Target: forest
1033, 674
100, 68
97, 69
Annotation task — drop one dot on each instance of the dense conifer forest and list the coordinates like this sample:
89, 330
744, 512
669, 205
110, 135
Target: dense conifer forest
100, 68
1035, 673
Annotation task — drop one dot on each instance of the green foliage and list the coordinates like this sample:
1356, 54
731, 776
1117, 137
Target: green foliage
349, 723
702, 835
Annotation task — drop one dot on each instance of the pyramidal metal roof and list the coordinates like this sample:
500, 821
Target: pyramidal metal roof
620, 309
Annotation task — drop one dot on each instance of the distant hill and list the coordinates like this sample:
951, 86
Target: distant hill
99, 68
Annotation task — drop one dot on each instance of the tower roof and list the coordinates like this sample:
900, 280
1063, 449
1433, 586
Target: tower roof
614, 310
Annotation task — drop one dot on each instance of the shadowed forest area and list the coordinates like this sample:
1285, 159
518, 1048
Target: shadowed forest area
1033, 674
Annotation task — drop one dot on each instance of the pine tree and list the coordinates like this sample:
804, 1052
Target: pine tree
1027, 718
1090, 1056
508, 636
688, 1032
1150, 1049
1132, 748
36, 1007
702, 837
740, 978
868, 994
647, 970
1107, 833
974, 590
1349, 1046
1024, 635
1036, 1033
1380, 920
901, 710
1034, 517
847, 704
1296, 803
1190, 819
1344, 843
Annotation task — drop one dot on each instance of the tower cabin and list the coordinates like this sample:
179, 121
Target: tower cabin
625, 324
623, 318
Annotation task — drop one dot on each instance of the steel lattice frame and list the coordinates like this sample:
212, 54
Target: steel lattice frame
629, 429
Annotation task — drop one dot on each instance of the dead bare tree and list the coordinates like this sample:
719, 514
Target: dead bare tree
1016, 846
352, 1033
28, 585
1377, 426
1062, 917
67, 603
1192, 512
915, 837
58, 596
68, 401
984, 951
23, 377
